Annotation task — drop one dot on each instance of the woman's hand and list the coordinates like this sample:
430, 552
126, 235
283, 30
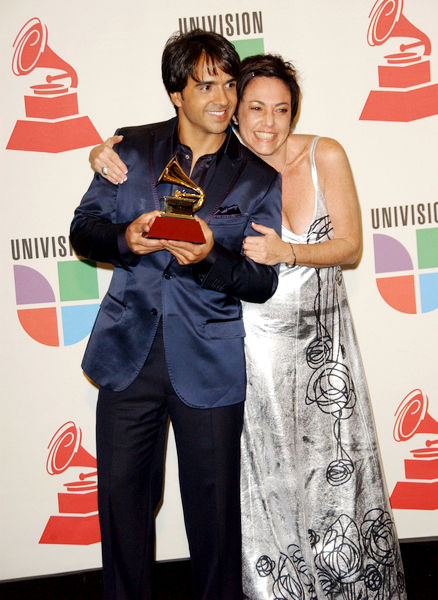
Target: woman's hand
105, 161
268, 248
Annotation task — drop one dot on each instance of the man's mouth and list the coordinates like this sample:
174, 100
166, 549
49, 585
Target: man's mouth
218, 113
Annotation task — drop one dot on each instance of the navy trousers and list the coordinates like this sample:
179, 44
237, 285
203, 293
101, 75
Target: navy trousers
131, 433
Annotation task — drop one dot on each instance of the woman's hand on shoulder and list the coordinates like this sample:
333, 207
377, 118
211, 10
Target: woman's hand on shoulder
105, 161
268, 248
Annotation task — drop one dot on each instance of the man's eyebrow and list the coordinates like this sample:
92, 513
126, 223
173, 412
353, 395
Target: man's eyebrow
213, 82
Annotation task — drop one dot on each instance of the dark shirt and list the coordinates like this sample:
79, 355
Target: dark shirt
205, 167
202, 174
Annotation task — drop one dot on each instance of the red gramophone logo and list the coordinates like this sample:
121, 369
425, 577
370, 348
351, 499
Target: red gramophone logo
405, 92
78, 519
52, 121
419, 491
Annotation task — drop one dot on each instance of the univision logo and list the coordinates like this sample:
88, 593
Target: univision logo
231, 25
408, 280
60, 314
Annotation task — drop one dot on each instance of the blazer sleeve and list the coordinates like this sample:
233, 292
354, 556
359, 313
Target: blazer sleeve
226, 271
94, 234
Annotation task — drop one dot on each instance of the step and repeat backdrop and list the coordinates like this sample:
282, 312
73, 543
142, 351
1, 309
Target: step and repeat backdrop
369, 76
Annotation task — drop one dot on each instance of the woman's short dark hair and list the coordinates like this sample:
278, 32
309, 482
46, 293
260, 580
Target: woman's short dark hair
183, 51
270, 65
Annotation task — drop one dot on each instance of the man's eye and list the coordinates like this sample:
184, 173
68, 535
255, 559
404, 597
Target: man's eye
205, 88
231, 84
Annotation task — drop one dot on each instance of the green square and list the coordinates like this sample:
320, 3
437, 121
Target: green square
77, 280
427, 248
247, 48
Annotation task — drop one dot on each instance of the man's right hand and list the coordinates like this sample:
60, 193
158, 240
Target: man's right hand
103, 156
137, 231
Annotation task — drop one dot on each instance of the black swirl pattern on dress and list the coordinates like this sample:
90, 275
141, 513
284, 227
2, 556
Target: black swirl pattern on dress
330, 386
352, 561
291, 577
320, 229
379, 538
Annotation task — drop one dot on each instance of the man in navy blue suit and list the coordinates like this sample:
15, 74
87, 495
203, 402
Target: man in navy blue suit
168, 340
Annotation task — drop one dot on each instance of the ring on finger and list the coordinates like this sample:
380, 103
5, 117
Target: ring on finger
105, 171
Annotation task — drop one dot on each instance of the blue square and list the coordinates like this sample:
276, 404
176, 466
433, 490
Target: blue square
429, 291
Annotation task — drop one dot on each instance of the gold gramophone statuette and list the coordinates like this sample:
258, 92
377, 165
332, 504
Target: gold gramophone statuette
177, 221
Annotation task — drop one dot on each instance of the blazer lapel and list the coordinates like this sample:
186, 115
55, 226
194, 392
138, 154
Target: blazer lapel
160, 152
227, 174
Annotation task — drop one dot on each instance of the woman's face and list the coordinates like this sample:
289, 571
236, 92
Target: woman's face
264, 116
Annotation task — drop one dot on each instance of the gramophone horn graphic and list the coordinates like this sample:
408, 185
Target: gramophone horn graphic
53, 123
78, 519
420, 489
405, 92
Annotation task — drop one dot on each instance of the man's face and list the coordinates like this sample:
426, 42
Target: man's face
205, 107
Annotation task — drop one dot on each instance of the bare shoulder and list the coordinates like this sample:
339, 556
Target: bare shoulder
329, 153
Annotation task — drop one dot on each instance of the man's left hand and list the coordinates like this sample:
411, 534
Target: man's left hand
187, 253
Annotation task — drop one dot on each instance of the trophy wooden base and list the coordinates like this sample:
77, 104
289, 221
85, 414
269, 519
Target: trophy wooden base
177, 228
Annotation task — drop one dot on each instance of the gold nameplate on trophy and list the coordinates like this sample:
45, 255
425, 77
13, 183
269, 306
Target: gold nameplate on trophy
176, 221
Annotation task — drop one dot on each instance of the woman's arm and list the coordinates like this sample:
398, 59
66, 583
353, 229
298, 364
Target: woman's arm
336, 182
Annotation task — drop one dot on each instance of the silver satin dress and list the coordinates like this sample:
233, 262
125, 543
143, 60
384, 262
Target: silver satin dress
316, 521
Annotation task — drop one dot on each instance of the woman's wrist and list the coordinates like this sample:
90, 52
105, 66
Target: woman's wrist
292, 258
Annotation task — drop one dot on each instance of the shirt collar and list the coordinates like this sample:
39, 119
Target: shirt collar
226, 148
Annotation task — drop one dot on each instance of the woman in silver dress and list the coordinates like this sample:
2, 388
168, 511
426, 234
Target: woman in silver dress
316, 521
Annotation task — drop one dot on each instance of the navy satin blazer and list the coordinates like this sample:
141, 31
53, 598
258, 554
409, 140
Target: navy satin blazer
199, 304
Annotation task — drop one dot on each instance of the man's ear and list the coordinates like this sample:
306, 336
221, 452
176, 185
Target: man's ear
176, 99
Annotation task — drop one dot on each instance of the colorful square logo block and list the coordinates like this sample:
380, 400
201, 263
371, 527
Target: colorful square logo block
403, 291
247, 48
77, 280
58, 324
427, 248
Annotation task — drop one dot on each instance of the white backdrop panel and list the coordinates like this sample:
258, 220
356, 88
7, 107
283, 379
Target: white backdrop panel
116, 53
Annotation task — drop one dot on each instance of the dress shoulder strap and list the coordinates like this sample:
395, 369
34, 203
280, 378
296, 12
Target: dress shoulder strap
312, 162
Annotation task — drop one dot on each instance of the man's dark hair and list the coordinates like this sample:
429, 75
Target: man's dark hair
270, 65
183, 51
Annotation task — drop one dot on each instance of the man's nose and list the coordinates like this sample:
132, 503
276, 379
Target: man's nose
222, 95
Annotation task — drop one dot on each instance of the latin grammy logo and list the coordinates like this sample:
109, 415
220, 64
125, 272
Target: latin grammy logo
78, 519
420, 489
405, 92
52, 121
